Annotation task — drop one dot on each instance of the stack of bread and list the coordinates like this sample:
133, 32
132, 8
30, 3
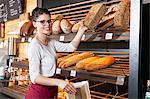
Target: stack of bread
72, 60
62, 25
85, 60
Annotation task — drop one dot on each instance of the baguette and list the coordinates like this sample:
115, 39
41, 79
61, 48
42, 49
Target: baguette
74, 59
100, 63
65, 57
82, 63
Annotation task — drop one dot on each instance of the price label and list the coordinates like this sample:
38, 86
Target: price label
108, 36
23, 39
83, 37
58, 71
62, 38
29, 39
73, 73
120, 80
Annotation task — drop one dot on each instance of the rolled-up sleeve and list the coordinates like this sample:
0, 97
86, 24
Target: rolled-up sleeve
34, 61
63, 47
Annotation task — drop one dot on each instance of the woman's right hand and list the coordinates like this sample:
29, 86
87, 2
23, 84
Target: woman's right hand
67, 87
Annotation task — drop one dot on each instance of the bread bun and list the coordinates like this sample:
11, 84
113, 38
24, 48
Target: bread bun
57, 17
66, 26
56, 29
73, 22
76, 27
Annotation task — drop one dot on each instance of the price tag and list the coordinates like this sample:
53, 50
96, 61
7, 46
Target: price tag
83, 37
62, 38
73, 73
120, 80
23, 39
58, 71
108, 36
29, 39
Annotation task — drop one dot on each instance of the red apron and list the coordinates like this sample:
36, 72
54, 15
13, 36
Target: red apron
37, 91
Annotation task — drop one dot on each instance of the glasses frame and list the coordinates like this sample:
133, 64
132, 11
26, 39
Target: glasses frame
44, 22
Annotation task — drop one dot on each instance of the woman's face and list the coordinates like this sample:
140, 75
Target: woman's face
43, 24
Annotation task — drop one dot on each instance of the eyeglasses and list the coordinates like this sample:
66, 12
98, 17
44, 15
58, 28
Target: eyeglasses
44, 22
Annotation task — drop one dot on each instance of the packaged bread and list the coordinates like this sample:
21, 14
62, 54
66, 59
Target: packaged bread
65, 57
74, 59
56, 29
76, 27
66, 26
82, 63
100, 63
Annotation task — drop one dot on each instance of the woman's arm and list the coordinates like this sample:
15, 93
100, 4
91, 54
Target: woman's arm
66, 86
76, 41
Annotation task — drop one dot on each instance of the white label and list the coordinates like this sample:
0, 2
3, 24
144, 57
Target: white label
108, 36
83, 37
58, 71
62, 38
23, 39
120, 80
29, 39
73, 73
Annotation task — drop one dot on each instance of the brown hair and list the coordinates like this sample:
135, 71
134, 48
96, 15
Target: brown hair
37, 12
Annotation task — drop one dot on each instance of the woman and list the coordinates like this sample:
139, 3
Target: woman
42, 58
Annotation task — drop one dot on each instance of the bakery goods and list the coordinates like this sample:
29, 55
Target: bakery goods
82, 63
100, 63
76, 26
66, 26
65, 57
74, 59
56, 29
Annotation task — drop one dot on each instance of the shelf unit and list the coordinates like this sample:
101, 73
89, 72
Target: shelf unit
131, 72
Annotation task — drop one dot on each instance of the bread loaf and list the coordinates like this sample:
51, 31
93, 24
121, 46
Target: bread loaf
121, 19
57, 17
27, 29
95, 14
76, 27
56, 29
74, 59
73, 22
66, 26
65, 57
100, 63
82, 63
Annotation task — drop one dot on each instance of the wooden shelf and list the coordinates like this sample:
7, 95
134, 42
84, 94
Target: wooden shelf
16, 92
116, 74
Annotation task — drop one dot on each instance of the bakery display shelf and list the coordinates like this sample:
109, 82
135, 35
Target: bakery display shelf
20, 64
100, 95
89, 36
115, 74
16, 92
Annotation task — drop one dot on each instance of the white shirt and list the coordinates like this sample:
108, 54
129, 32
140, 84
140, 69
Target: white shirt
42, 59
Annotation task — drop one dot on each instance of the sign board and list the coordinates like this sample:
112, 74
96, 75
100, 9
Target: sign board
10, 9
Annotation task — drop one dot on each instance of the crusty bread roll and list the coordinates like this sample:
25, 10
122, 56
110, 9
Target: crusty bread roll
65, 57
76, 27
100, 63
73, 22
66, 26
56, 29
57, 17
82, 63
74, 59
